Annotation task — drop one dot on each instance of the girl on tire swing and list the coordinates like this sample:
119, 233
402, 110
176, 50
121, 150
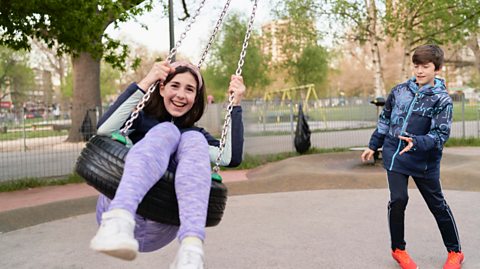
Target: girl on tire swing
164, 136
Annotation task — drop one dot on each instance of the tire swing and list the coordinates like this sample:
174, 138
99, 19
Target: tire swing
101, 162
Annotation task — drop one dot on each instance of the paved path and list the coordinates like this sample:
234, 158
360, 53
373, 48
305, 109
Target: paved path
308, 229
312, 211
30, 207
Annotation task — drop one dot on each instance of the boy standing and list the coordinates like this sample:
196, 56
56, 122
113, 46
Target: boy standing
412, 128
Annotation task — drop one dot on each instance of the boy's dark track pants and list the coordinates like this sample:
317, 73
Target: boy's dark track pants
431, 191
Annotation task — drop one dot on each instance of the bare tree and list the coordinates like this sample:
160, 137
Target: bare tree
379, 85
361, 20
474, 44
57, 63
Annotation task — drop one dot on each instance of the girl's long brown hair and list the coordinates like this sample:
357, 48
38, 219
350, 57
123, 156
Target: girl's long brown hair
155, 106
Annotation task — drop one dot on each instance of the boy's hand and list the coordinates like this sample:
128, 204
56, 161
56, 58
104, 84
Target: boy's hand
409, 141
367, 155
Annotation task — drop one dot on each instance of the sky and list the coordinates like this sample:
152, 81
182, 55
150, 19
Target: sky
156, 38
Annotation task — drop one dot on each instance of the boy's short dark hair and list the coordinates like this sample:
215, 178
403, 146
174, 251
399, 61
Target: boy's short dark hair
428, 54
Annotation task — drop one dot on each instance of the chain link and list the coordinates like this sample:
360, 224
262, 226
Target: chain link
228, 116
245, 41
214, 33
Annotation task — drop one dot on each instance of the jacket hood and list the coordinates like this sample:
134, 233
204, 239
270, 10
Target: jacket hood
428, 89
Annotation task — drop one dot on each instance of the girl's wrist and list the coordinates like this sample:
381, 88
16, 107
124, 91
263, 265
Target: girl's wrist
144, 84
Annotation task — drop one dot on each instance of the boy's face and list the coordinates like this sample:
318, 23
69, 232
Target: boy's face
425, 73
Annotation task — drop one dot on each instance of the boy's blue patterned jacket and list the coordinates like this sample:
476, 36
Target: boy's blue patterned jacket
425, 114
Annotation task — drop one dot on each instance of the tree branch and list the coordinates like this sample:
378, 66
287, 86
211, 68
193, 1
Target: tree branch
433, 11
185, 10
473, 15
47, 54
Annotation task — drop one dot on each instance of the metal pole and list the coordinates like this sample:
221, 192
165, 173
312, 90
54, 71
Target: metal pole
292, 131
171, 26
24, 133
463, 115
264, 119
478, 123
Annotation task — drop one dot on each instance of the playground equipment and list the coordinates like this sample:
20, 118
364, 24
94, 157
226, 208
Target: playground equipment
303, 94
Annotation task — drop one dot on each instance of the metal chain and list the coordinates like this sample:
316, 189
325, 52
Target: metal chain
214, 33
228, 116
238, 72
245, 41
152, 88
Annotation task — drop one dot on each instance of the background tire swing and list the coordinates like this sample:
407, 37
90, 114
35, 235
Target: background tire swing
102, 161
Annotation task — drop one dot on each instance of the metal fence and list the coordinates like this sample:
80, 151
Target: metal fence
36, 147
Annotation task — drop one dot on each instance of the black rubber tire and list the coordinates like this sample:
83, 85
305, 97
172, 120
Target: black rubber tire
101, 164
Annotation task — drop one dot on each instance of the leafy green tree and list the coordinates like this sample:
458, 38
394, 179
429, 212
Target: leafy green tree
311, 67
304, 60
78, 28
299, 18
225, 56
109, 80
416, 22
67, 88
16, 77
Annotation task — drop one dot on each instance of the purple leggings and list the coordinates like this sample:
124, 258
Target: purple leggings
145, 163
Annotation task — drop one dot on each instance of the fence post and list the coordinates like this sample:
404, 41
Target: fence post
463, 115
478, 122
24, 133
264, 119
292, 131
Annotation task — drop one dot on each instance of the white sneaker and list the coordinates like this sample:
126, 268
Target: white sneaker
189, 256
115, 235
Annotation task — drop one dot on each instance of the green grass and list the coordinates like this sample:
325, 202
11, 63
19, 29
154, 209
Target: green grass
344, 113
31, 134
471, 111
356, 113
277, 133
28, 183
463, 142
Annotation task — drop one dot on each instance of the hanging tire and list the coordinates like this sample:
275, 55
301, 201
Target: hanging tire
101, 164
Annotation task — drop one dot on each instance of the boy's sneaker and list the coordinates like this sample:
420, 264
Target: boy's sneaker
189, 256
454, 260
115, 235
403, 259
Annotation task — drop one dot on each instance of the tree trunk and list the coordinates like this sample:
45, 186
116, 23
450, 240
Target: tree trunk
86, 93
474, 45
379, 85
405, 73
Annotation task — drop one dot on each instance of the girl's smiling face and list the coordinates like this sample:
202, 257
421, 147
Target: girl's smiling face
179, 94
